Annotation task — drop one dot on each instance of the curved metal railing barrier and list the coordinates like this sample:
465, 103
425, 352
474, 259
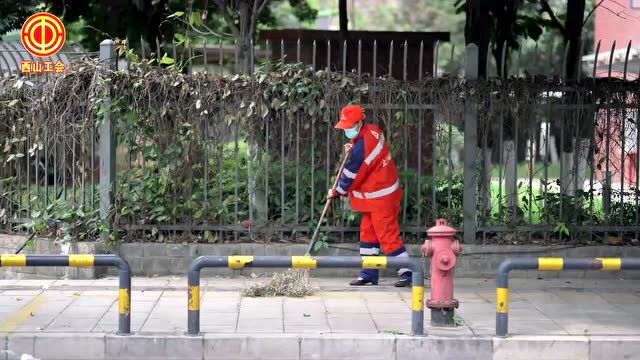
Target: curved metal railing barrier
547, 264
307, 262
124, 293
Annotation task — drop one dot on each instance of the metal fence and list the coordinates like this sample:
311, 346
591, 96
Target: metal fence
529, 162
281, 190
563, 163
53, 171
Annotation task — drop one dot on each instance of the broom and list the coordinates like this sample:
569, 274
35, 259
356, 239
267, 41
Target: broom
294, 282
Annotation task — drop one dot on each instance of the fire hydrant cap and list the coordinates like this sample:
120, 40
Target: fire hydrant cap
441, 229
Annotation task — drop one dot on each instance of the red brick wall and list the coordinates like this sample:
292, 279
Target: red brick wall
610, 27
616, 20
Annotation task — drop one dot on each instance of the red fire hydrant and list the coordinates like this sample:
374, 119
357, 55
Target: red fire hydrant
443, 250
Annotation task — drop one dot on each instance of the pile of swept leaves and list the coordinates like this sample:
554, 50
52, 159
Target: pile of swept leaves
292, 283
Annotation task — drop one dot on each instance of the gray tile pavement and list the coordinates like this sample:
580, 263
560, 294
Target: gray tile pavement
537, 307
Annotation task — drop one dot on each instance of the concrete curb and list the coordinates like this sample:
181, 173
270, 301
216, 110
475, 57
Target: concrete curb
85, 346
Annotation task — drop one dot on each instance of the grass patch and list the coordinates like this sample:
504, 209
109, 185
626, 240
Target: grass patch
531, 203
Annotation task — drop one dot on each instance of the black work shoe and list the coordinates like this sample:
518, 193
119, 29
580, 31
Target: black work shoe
403, 282
362, 282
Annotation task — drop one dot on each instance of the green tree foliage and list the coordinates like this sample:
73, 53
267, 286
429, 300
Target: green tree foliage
545, 55
437, 15
13, 13
517, 23
94, 20
237, 20
97, 19
499, 23
396, 15
152, 19
131, 19
533, 43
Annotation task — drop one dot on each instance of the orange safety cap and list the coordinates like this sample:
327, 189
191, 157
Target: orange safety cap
349, 116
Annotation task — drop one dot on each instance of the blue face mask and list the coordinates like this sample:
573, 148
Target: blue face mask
353, 132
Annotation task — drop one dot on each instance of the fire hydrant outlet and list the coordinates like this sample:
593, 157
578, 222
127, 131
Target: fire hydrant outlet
456, 247
444, 260
427, 249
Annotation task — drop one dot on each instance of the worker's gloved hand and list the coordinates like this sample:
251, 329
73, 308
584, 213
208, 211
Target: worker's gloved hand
332, 193
347, 148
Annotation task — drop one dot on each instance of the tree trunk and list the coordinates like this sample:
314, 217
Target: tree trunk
484, 192
573, 27
344, 21
497, 55
505, 13
476, 30
570, 181
244, 40
510, 158
116, 17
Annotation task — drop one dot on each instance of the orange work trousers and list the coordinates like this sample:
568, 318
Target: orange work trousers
380, 229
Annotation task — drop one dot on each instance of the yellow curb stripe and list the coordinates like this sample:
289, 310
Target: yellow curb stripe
81, 260
550, 264
238, 262
305, 262
502, 300
13, 260
374, 262
194, 298
12, 323
418, 298
611, 263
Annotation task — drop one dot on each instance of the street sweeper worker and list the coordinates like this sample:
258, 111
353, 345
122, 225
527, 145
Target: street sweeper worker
370, 180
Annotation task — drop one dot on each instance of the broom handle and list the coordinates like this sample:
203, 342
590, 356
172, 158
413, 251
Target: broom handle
314, 238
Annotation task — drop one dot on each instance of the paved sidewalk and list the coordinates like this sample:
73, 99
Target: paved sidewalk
538, 307
553, 319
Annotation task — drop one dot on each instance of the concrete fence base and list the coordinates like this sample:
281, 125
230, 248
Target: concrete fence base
154, 259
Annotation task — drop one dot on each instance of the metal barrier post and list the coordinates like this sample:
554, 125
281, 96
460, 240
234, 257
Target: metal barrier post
417, 305
305, 262
547, 264
124, 293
